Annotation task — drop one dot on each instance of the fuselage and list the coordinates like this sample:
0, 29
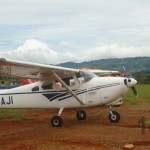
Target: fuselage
97, 91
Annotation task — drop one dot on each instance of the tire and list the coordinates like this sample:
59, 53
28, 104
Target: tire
81, 115
115, 118
56, 121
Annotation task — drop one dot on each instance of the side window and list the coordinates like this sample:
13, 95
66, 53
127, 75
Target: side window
47, 86
67, 81
36, 88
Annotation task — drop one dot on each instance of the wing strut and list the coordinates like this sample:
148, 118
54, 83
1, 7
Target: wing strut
69, 90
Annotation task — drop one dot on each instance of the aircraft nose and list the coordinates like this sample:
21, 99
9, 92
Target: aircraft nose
130, 82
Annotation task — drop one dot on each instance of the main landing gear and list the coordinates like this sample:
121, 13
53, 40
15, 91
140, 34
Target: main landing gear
57, 121
81, 114
114, 116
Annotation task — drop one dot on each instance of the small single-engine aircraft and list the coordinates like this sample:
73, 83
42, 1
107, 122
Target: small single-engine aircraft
60, 87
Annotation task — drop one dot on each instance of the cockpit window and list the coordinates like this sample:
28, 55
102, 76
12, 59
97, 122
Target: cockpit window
87, 75
47, 85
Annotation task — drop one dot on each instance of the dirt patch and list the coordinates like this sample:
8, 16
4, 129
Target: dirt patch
144, 143
94, 133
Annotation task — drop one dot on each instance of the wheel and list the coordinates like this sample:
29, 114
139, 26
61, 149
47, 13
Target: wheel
81, 115
56, 121
115, 117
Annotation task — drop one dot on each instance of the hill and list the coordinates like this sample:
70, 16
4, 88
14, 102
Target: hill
137, 65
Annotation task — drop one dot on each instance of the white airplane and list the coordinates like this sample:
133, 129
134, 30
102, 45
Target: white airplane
60, 87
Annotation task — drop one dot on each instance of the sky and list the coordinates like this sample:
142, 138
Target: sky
57, 31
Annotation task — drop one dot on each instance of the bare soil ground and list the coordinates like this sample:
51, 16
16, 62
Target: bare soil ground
94, 133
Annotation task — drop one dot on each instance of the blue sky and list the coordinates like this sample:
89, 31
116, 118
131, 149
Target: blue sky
56, 31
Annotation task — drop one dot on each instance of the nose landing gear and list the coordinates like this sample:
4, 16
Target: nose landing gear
114, 116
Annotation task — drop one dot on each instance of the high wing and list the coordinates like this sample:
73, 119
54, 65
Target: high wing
37, 71
33, 70
100, 72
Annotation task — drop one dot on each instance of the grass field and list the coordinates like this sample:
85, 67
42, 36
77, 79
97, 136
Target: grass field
143, 96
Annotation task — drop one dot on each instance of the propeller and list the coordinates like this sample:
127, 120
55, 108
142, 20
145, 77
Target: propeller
134, 91
130, 82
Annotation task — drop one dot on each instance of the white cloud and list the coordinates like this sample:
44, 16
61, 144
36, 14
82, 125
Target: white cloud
115, 51
35, 51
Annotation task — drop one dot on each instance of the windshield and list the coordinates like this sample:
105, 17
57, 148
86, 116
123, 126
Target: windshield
87, 75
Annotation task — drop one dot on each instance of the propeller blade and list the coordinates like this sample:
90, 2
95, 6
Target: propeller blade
124, 69
134, 91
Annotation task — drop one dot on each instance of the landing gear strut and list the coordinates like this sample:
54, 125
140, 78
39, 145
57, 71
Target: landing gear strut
114, 116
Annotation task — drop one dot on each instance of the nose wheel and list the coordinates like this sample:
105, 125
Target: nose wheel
114, 116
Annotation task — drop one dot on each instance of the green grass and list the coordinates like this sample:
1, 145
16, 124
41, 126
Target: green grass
12, 113
143, 94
